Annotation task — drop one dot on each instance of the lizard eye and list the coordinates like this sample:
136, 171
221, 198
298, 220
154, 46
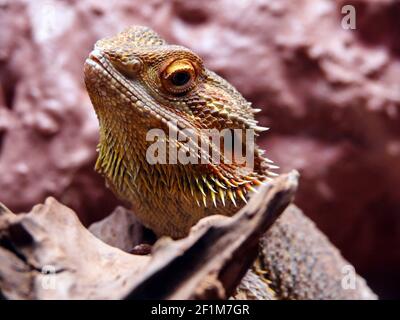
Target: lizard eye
178, 77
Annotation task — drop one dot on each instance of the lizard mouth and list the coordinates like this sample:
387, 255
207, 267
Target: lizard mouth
99, 70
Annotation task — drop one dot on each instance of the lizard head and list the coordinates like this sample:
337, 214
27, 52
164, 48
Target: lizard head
138, 82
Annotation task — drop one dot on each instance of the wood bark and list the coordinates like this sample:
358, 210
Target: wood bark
48, 254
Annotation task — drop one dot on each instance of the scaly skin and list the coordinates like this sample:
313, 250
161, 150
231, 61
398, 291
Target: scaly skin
125, 77
132, 82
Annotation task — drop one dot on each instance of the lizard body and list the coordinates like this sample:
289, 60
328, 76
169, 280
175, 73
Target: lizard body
137, 82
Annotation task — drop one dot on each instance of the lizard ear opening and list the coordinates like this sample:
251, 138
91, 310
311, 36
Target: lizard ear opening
179, 77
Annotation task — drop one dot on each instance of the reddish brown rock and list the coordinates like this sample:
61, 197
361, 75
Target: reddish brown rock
48, 129
331, 97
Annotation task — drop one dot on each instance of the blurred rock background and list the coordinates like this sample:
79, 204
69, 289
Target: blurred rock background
331, 97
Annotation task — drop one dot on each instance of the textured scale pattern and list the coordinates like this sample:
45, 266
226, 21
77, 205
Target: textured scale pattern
127, 80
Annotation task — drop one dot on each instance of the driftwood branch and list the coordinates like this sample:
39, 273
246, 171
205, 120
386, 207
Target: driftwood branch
48, 254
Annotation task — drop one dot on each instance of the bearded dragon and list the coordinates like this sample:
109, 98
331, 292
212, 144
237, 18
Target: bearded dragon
137, 82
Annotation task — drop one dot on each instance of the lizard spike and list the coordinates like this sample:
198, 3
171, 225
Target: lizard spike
221, 176
240, 181
257, 182
98, 164
208, 184
200, 186
250, 188
191, 188
249, 178
257, 110
230, 194
121, 172
113, 163
197, 201
272, 174
222, 196
205, 201
253, 121
179, 183
271, 166
260, 129
108, 162
229, 183
244, 120
127, 183
213, 199
218, 183
241, 195
185, 185
260, 152
268, 160
116, 167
